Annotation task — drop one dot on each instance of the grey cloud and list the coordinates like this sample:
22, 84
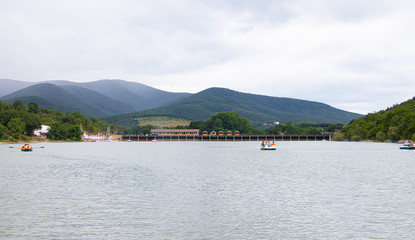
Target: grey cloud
259, 45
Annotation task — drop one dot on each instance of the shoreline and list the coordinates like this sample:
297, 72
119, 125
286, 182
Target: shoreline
34, 139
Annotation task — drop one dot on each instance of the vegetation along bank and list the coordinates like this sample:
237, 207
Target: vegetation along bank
17, 122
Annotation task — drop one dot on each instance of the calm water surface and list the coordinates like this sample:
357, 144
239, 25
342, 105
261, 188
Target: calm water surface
207, 190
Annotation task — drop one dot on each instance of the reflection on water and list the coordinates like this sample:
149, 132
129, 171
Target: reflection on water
207, 190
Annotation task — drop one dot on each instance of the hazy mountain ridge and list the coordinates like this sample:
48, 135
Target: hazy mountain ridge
69, 99
127, 100
8, 86
138, 96
94, 99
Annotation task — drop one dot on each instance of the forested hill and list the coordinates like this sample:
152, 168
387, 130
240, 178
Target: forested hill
257, 109
395, 123
68, 99
94, 99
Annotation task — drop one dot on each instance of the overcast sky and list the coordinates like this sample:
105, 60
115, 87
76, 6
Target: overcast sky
355, 55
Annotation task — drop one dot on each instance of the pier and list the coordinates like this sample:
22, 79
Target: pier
241, 138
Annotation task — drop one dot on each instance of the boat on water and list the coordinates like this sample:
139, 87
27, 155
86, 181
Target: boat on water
269, 148
27, 148
407, 148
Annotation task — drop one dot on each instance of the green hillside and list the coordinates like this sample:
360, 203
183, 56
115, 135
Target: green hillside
257, 109
395, 123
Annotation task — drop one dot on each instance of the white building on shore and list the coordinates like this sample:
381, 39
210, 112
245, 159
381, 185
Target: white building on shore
42, 131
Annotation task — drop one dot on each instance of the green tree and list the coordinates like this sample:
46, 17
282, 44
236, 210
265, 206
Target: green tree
218, 125
16, 127
74, 133
393, 133
229, 121
32, 122
3, 132
380, 136
146, 129
214, 123
139, 130
338, 136
356, 131
246, 127
33, 107
54, 132
17, 104
201, 125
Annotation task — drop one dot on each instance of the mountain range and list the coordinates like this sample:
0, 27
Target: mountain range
122, 101
94, 99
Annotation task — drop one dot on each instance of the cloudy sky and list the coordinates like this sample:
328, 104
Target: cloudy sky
354, 55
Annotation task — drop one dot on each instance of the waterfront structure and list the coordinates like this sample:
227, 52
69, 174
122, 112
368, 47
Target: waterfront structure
325, 137
87, 136
42, 131
174, 132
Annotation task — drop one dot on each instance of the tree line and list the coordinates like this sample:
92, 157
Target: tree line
223, 121
393, 124
17, 122
231, 121
304, 128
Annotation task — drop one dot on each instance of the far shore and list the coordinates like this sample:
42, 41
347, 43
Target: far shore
33, 139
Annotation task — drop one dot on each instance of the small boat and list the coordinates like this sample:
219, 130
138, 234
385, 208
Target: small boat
26, 148
269, 148
408, 148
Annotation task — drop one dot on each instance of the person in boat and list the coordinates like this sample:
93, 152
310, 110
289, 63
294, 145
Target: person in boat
411, 143
273, 144
27, 147
263, 144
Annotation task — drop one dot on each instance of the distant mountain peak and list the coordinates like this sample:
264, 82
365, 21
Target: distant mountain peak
107, 97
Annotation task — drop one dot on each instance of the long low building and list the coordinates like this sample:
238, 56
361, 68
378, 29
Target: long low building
174, 132
240, 138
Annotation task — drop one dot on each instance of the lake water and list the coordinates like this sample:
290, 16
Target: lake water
207, 190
